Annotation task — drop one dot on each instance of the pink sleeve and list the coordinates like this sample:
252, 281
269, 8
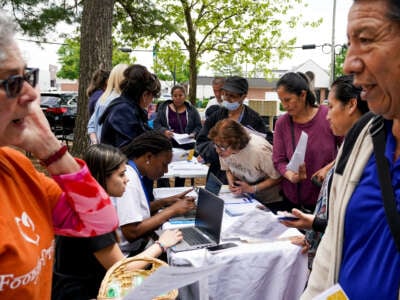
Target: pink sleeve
84, 208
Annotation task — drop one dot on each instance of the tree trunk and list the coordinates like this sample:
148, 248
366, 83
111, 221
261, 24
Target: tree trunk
192, 75
96, 52
192, 53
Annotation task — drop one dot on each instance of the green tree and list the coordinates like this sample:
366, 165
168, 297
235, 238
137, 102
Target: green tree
171, 64
240, 31
339, 61
69, 57
37, 18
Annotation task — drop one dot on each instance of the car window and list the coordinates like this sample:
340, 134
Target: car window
50, 100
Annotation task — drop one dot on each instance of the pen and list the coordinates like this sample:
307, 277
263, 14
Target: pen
248, 198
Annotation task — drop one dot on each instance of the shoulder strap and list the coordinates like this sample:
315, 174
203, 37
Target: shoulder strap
350, 141
379, 139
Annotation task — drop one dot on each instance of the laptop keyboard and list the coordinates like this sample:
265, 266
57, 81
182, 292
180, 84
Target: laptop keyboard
192, 237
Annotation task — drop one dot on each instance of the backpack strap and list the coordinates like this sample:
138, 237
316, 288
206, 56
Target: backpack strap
377, 132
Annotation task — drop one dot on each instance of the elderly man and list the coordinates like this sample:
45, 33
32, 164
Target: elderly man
358, 250
34, 206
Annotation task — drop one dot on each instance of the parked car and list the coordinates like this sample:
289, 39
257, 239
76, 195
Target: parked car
165, 97
60, 109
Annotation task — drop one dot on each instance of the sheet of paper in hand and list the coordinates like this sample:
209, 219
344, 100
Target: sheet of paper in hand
183, 138
299, 153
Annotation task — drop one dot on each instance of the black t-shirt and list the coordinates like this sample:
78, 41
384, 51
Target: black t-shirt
76, 269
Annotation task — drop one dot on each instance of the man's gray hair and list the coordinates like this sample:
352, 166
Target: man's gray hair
7, 31
393, 12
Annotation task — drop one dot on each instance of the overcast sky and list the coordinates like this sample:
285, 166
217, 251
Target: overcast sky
42, 57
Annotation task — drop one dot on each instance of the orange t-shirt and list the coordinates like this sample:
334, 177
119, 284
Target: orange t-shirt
26, 229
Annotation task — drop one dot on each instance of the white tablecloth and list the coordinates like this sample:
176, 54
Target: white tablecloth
186, 169
267, 270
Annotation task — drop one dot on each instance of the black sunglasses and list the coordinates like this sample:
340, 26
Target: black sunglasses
13, 84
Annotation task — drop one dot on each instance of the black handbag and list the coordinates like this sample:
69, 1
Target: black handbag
379, 140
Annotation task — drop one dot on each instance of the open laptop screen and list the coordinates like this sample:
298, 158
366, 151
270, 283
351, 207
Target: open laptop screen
213, 184
209, 214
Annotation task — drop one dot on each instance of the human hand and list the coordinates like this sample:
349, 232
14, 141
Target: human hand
321, 174
37, 130
184, 205
305, 221
169, 133
200, 159
240, 187
183, 194
302, 242
170, 237
296, 177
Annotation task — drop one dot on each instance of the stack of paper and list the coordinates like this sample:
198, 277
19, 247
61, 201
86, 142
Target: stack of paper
256, 225
183, 138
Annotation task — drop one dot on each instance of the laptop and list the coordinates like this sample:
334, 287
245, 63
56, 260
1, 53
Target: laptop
213, 184
207, 229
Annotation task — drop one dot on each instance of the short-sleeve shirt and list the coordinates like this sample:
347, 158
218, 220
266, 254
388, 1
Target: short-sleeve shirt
77, 267
253, 164
132, 207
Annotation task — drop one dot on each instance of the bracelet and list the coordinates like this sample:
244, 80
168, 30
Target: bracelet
255, 188
163, 248
54, 157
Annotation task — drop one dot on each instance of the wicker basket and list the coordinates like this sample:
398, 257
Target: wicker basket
125, 277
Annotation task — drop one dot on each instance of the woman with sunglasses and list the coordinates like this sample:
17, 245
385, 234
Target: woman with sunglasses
33, 206
126, 116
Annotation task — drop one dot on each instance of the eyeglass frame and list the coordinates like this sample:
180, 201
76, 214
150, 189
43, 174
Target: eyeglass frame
223, 149
26, 77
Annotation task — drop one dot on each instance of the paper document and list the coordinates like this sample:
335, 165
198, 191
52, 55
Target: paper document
179, 154
160, 193
166, 279
299, 153
256, 225
333, 293
183, 138
241, 207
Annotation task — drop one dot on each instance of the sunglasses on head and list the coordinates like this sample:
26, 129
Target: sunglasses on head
13, 84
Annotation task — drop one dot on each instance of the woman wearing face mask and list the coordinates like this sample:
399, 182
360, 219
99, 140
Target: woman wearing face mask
234, 92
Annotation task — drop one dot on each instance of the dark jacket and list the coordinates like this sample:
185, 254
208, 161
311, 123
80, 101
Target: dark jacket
123, 120
205, 147
193, 116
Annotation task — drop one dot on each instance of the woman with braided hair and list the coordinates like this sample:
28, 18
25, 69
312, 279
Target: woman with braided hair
139, 216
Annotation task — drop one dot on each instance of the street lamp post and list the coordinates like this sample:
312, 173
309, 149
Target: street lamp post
333, 52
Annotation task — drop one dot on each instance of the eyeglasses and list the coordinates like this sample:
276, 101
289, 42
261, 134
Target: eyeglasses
13, 84
221, 148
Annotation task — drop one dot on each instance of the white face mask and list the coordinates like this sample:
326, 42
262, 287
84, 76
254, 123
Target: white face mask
230, 105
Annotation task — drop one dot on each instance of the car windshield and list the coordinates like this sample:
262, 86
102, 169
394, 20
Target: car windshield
50, 100
56, 100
